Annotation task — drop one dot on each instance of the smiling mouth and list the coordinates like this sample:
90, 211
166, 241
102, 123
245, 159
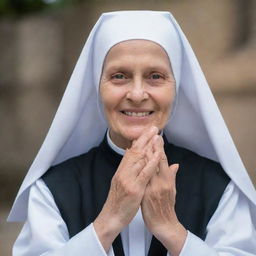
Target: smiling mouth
137, 114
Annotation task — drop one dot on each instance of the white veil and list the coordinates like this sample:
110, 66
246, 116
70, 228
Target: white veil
79, 125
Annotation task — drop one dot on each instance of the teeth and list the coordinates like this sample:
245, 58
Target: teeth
139, 114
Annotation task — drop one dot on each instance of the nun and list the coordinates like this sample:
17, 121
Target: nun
138, 160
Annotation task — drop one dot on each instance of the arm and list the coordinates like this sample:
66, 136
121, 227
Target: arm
45, 232
230, 232
127, 189
159, 201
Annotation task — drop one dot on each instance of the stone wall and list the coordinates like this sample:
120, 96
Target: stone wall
38, 53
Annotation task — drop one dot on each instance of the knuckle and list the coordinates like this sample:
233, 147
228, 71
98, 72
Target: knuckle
163, 156
123, 184
166, 189
134, 147
130, 191
135, 153
145, 175
127, 188
174, 191
169, 190
116, 178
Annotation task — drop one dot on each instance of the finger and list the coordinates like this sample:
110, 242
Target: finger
149, 170
149, 153
132, 156
149, 148
132, 163
158, 143
163, 163
137, 167
143, 140
174, 169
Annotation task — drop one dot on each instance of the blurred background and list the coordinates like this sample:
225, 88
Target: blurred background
40, 41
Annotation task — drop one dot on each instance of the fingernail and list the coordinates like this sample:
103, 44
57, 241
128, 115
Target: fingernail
176, 166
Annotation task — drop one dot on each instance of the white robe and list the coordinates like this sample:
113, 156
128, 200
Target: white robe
229, 232
196, 124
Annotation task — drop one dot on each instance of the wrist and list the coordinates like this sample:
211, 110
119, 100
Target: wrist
173, 237
107, 229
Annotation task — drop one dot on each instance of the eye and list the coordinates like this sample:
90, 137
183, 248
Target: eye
118, 76
156, 76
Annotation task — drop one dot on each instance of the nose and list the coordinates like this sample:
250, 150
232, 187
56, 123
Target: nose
137, 92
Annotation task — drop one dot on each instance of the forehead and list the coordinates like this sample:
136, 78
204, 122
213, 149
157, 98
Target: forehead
137, 50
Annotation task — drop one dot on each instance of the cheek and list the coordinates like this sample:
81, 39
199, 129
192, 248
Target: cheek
110, 100
104, 101
166, 110
105, 96
166, 100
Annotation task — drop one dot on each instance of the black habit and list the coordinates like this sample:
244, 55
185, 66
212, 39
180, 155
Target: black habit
80, 187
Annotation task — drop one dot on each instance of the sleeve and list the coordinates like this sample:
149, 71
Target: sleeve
230, 232
45, 233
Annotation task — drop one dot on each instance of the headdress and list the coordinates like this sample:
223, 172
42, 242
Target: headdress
79, 125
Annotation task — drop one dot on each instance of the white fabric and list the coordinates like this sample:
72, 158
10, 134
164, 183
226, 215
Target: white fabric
230, 231
117, 149
50, 235
45, 233
79, 125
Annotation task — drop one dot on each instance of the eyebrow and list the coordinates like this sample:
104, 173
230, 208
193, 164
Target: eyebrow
124, 67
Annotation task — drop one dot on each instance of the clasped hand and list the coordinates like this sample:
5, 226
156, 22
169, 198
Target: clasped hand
144, 179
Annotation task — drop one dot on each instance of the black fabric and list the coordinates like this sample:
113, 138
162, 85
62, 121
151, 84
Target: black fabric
156, 248
80, 187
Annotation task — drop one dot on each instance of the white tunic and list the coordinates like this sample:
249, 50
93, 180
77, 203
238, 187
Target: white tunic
230, 231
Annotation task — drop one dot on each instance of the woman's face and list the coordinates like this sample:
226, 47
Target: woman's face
137, 89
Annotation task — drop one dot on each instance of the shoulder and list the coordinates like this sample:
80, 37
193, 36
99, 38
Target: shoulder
64, 180
186, 156
181, 154
70, 168
196, 169
41, 197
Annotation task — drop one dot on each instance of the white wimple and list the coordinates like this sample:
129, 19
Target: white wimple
79, 125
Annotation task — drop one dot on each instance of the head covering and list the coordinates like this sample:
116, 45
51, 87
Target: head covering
79, 124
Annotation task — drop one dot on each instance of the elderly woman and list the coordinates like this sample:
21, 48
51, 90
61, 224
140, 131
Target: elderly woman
138, 160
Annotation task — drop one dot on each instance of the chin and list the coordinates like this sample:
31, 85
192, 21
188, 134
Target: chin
126, 135
134, 133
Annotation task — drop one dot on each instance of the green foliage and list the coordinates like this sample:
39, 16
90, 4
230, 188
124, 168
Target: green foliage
20, 7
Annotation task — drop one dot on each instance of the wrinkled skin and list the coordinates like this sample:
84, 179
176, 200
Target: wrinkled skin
143, 179
137, 91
